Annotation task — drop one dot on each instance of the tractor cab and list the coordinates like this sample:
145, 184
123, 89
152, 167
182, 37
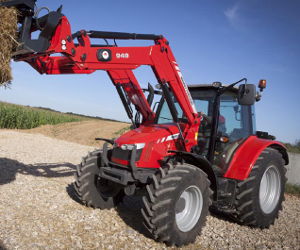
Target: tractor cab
235, 123
225, 123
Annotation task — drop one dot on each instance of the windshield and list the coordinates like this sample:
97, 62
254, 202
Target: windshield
164, 115
203, 101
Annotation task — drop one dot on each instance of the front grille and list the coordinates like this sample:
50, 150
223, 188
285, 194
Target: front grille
125, 155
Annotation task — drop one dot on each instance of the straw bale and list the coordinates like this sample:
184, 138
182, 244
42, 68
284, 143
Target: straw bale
8, 34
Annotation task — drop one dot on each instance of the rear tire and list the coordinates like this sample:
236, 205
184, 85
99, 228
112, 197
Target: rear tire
92, 190
176, 204
259, 197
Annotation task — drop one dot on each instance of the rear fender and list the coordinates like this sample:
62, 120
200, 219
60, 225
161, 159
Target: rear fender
247, 153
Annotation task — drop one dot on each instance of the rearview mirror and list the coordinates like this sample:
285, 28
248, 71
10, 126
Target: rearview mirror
247, 94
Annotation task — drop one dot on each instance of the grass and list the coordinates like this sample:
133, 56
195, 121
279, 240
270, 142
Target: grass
292, 148
292, 189
14, 116
81, 115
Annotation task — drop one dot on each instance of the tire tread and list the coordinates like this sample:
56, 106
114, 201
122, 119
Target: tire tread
247, 199
156, 202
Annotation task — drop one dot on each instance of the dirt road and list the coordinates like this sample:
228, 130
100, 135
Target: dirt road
83, 132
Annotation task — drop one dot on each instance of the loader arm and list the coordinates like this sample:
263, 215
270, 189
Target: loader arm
78, 56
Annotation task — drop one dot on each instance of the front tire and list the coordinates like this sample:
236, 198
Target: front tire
259, 197
92, 190
176, 204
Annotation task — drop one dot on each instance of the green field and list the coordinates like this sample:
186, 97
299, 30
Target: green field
14, 116
293, 148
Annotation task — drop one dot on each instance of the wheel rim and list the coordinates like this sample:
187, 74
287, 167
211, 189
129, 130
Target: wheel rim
270, 189
188, 208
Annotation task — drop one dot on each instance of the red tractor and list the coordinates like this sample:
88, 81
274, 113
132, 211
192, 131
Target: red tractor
197, 149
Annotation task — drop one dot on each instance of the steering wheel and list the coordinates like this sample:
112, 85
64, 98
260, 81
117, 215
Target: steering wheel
206, 118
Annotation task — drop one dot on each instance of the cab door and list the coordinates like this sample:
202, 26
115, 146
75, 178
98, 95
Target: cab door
236, 123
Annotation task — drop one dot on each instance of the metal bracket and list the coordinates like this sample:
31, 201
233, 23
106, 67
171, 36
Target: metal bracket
104, 159
19, 4
132, 162
104, 139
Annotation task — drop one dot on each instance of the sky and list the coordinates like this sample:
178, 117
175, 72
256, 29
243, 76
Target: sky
212, 40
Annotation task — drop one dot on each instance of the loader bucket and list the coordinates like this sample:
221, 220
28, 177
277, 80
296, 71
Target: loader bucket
17, 42
8, 41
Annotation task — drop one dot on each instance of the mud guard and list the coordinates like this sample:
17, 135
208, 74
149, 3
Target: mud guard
202, 163
246, 155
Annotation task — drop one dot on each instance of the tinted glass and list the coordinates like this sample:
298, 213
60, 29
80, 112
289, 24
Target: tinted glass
164, 116
234, 118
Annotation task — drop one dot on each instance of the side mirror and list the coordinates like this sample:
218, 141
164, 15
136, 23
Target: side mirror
247, 94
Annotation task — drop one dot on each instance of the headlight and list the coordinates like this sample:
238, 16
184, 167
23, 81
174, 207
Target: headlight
131, 146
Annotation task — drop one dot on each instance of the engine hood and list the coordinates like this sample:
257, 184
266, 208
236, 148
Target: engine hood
146, 134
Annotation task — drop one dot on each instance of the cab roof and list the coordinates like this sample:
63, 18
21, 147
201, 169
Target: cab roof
210, 86
207, 86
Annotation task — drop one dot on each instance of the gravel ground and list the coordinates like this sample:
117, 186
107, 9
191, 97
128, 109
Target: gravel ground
38, 209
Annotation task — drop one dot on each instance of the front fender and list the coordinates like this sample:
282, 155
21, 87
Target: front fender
202, 163
246, 155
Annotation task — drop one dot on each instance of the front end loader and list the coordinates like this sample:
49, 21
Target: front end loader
196, 149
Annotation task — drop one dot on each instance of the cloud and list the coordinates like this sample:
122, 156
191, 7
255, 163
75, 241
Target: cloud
232, 13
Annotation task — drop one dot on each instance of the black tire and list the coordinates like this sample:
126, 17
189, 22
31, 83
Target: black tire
92, 190
249, 209
160, 202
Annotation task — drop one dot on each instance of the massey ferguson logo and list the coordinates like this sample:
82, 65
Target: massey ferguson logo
122, 55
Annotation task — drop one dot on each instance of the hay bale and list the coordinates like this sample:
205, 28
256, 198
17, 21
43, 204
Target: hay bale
8, 34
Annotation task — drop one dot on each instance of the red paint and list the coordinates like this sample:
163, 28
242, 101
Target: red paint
158, 56
246, 155
156, 143
119, 161
82, 59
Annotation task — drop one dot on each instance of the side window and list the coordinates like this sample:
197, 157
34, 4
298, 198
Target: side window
253, 120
